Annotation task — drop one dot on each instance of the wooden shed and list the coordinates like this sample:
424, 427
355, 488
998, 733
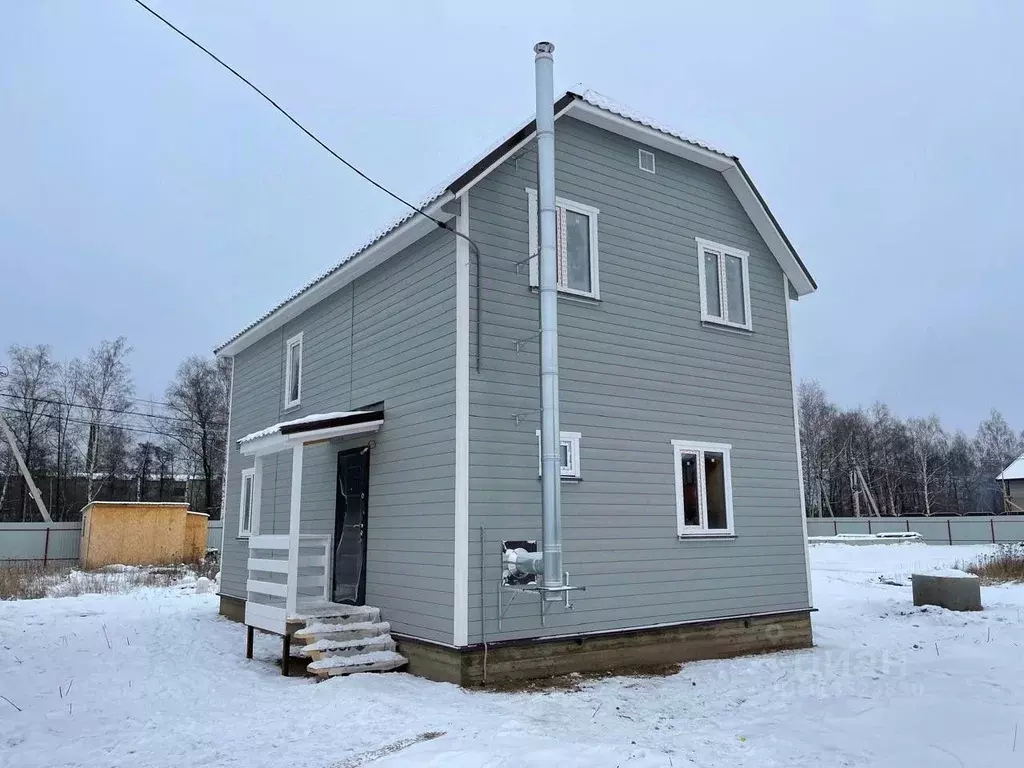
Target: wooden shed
141, 533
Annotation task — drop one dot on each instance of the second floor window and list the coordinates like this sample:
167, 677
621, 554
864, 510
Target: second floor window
724, 284
575, 245
293, 372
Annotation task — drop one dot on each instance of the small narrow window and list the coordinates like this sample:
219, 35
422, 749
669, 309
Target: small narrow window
724, 284
703, 488
575, 245
293, 372
569, 452
646, 161
247, 502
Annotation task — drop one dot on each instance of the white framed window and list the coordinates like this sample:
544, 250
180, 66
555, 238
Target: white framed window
575, 246
724, 284
247, 503
293, 371
703, 474
647, 161
569, 445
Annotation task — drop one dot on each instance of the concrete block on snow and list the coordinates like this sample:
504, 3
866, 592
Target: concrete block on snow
954, 590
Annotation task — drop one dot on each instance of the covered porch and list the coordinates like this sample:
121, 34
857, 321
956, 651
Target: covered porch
290, 575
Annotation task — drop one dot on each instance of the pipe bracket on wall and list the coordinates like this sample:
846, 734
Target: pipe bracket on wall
520, 568
520, 344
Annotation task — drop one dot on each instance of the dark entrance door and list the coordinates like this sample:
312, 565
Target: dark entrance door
350, 527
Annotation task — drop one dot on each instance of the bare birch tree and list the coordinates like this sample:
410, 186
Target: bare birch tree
928, 441
198, 397
64, 402
106, 387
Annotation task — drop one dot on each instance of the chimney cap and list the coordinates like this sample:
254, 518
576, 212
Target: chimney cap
544, 48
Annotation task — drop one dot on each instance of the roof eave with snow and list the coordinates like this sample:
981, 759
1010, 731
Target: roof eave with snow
309, 429
588, 107
1013, 472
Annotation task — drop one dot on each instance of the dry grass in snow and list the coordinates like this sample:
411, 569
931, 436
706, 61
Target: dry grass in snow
1004, 566
29, 581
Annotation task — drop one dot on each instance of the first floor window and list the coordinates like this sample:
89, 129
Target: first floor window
293, 371
569, 454
724, 284
575, 245
703, 487
247, 503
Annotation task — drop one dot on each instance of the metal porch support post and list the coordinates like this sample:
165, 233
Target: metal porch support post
249, 630
286, 653
292, 599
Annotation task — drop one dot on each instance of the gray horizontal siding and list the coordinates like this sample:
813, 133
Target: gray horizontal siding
638, 369
388, 336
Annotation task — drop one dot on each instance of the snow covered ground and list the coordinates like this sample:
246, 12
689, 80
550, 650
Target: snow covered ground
155, 678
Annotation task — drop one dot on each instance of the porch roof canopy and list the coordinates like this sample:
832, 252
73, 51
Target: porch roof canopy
310, 429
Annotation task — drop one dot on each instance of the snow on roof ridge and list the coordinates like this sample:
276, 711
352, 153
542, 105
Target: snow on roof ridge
598, 99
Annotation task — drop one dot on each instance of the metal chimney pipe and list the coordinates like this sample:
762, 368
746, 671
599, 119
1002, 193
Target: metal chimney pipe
550, 452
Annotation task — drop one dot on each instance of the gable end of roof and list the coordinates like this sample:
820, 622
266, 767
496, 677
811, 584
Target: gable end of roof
587, 105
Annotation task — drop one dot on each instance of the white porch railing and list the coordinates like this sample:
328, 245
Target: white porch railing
296, 581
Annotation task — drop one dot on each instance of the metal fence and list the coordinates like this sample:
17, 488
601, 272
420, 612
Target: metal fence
976, 529
59, 542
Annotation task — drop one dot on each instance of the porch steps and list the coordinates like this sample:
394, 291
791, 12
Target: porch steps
378, 661
345, 641
327, 648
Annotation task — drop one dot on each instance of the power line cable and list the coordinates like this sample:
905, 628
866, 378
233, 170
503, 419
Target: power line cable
416, 209
111, 410
301, 127
86, 423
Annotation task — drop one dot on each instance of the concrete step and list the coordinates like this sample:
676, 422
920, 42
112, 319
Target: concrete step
311, 633
335, 613
377, 661
353, 647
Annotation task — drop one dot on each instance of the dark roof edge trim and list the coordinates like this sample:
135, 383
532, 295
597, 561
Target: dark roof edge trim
517, 138
338, 421
775, 222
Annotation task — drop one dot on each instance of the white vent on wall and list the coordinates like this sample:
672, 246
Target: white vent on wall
646, 161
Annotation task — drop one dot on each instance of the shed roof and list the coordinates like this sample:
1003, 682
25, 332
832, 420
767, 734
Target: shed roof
587, 105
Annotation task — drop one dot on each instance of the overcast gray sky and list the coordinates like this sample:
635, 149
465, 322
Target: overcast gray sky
144, 191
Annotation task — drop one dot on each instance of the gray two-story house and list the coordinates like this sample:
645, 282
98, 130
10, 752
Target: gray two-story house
384, 451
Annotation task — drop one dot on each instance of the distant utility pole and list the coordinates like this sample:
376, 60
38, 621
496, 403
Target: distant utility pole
24, 469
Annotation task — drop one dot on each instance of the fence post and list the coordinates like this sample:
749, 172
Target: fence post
46, 547
949, 532
869, 526
992, 525
908, 525
835, 526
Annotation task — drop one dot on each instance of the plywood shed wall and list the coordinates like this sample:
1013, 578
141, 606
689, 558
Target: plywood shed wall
196, 524
141, 533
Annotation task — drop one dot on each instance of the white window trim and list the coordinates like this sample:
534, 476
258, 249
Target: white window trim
572, 440
640, 161
723, 288
679, 447
288, 346
567, 205
244, 533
